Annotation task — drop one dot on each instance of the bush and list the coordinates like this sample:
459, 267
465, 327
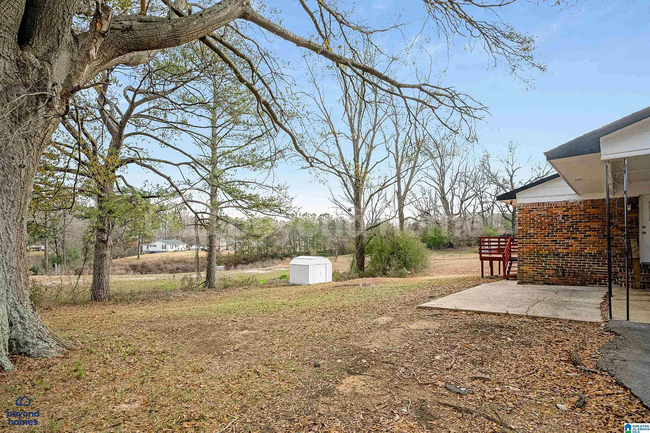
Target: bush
37, 294
490, 231
396, 254
433, 237
338, 276
35, 270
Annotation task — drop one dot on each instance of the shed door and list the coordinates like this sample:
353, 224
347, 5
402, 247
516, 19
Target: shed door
644, 232
319, 273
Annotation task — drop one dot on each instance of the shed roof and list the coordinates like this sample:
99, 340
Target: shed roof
310, 260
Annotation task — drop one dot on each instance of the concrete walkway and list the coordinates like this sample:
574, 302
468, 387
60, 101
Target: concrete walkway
627, 357
507, 297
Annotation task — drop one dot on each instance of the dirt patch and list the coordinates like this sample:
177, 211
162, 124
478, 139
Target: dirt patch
355, 385
383, 320
423, 324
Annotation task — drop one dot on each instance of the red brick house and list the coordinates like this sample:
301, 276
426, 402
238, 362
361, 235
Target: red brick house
563, 219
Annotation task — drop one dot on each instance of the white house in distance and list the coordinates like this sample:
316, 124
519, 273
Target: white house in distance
310, 270
164, 246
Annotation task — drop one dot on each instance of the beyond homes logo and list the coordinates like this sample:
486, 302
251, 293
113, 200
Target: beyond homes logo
22, 417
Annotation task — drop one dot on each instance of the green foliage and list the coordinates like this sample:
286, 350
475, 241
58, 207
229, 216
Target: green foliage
36, 294
490, 231
283, 277
434, 237
338, 276
78, 370
396, 254
35, 270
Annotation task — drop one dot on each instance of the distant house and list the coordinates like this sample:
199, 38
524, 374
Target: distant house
36, 248
164, 246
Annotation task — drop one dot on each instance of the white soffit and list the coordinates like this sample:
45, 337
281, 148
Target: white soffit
585, 174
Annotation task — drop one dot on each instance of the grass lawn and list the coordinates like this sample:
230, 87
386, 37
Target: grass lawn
348, 356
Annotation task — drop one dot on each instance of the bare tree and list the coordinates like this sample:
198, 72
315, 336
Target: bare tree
484, 191
350, 154
509, 174
406, 147
449, 176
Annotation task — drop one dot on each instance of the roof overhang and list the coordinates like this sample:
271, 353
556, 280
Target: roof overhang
581, 162
510, 197
590, 142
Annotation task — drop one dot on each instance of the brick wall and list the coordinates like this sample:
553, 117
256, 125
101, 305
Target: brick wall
565, 243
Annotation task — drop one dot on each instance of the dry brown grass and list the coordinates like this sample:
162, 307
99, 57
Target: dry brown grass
350, 356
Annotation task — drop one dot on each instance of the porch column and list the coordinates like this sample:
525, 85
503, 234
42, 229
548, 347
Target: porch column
609, 241
627, 252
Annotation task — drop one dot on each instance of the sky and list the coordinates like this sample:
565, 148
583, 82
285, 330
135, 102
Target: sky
596, 53
598, 69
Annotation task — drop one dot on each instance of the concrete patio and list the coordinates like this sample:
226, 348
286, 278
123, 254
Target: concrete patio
639, 304
507, 297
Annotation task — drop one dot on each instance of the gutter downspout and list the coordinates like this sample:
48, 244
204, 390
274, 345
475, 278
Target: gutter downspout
609, 241
627, 252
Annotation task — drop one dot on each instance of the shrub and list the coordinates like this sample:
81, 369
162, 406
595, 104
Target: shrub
338, 276
35, 270
395, 254
490, 231
433, 237
37, 294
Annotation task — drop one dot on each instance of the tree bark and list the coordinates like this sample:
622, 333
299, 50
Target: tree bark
359, 238
25, 130
101, 286
210, 275
213, 252
46, 258
400, 211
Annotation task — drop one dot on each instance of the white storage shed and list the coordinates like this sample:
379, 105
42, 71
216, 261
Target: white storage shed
310, 270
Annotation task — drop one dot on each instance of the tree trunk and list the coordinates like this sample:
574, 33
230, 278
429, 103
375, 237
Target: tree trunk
101, 286
210, 275
400, 212
25, 130
359, 239
46, 258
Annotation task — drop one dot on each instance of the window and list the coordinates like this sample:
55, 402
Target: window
164, 247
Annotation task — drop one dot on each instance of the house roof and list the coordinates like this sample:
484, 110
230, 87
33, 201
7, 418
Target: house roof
172, 242
512, 195
590, 142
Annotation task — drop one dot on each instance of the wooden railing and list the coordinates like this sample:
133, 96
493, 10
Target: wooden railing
510, 256
500, 249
